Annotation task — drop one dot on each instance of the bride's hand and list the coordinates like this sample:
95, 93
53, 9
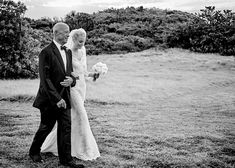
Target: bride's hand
94, 75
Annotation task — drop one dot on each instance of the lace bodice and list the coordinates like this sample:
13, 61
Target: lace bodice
79, 62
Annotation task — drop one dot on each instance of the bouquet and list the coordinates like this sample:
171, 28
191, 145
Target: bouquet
100, 69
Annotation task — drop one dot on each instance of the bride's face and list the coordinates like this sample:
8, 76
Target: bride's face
79, 41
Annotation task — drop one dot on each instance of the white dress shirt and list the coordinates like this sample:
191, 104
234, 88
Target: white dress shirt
62, 53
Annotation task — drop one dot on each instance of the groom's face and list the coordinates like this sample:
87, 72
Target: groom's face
62, 35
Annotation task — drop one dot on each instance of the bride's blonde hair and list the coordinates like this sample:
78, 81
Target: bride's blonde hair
75, 33
79, 32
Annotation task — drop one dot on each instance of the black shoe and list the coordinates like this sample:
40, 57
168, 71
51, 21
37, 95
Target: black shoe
36, 158
73, 164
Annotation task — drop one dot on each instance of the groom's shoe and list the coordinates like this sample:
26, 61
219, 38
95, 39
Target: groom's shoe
36, 158
73, 164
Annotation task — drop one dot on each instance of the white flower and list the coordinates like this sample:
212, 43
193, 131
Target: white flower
100, 67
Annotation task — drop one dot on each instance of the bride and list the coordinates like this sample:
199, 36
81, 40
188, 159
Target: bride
83, 144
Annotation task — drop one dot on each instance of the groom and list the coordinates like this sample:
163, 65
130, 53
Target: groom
53, 97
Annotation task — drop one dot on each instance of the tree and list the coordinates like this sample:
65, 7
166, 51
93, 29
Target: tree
10, 38
79, 20
211, 32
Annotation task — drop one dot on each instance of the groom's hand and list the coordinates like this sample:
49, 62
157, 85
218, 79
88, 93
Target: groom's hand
67, 82
61, 103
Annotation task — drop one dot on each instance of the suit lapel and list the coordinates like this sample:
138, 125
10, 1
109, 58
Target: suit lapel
67, 62
58, 55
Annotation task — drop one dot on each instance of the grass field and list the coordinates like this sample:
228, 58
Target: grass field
154, 109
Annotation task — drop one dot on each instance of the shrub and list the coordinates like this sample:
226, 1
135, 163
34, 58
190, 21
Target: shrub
20, 44
113, 36
101, 44
79, 20
124, 45
211, 32
12, 57
92, 50
33, 42
139, 42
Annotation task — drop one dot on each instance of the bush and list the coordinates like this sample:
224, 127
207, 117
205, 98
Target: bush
113, 27
113, 36
33, 42
101, 44
92, 50
79, 20
124, 45
211, 32
136, 29
112, 42
12, 57
20, 44
139, 42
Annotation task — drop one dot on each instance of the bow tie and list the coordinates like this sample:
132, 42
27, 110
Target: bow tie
63, 48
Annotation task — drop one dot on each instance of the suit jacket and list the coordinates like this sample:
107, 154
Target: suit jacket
52, 72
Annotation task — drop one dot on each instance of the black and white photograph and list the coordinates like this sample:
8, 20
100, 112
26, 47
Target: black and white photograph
117, 84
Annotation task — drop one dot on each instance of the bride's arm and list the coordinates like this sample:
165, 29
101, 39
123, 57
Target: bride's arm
87, 74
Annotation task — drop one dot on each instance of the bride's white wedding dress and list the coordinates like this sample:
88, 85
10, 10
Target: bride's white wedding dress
83, 144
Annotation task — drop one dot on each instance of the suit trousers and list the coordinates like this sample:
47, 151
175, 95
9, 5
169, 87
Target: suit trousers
49, 116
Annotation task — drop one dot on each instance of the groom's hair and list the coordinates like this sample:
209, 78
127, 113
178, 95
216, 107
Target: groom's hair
59, 26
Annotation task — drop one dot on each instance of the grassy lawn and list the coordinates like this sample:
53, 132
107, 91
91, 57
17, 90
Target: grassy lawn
154, 109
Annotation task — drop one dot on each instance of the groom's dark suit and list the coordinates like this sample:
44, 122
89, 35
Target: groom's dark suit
52, 72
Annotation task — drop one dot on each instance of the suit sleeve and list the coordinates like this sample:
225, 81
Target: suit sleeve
74, 81
44, 73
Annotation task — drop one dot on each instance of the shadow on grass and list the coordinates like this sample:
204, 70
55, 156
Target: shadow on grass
18, 98
28, 98
189, 152
98, 102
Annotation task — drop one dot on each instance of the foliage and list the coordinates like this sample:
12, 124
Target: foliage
112, 31
116, 43
12, 61
120, 30
127, 29
20, 44
33, 41
79, 20
211, 32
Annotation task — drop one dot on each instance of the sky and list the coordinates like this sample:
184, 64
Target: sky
59, 8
